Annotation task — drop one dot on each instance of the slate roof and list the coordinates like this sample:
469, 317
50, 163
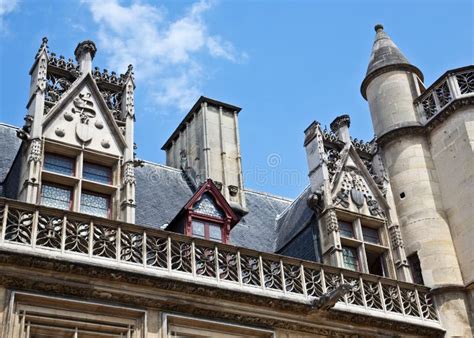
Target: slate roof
293, 220
257, 229
9, 145
162, 191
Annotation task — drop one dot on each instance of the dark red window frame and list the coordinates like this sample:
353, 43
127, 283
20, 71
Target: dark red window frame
224, 224
207, 225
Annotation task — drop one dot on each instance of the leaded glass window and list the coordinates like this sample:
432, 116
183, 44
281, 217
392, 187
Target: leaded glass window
206, 206
97, 173
351, 260
56, 196
94, 204
59, 164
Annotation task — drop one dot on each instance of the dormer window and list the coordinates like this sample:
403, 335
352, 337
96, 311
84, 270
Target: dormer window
207, 215
207, 230
207, 219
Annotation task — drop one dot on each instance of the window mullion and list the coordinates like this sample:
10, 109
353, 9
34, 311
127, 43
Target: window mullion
78, 187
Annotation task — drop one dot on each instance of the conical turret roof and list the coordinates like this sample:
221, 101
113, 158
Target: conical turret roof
385, 56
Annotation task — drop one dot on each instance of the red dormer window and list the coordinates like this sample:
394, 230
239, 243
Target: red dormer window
206, 215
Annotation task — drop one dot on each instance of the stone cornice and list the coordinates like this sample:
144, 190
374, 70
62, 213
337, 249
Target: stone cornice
395, 67
447, 111
436, 120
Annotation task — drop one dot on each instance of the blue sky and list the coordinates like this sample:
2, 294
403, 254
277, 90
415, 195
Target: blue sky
286, 63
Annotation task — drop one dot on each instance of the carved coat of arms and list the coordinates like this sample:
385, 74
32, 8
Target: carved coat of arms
84, 107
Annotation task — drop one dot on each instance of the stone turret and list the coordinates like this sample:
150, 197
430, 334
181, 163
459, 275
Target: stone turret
390, 87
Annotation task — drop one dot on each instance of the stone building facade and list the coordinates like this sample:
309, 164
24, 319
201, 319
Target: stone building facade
97, 243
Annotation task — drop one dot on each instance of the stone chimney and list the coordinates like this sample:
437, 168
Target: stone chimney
206, 144
340, 126
85, 52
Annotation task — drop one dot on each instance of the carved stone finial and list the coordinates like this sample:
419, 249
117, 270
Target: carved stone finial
378, 27
44, 46
340, 121
84, 47
129, 73
340, 126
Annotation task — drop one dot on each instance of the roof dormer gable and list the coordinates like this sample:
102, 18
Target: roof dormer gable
81, 118
353, 187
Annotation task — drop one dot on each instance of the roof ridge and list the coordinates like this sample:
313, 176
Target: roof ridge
292, 203
164, 166
286, 199
8, 125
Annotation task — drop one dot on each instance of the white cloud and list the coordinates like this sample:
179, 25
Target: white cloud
164, 52
7, 6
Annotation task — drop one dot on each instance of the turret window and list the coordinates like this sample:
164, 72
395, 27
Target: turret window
415, 267
56, 196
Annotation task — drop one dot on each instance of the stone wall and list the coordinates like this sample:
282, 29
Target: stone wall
452, 149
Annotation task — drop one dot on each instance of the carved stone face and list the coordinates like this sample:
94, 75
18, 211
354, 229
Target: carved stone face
233, 190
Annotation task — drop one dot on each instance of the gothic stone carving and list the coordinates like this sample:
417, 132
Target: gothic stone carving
42, 74
395, 236
353, 184
35, 151
233, 190
129, 173
331, 221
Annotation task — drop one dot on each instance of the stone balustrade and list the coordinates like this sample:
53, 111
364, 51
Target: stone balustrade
453, 85
69, 236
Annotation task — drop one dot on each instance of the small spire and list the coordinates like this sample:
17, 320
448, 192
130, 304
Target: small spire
129, 74
43, 47
129, 71
385, 56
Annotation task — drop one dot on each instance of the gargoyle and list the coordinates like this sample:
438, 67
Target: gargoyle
330, 298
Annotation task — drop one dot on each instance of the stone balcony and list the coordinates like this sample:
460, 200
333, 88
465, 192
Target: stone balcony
453, 88
48, 233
